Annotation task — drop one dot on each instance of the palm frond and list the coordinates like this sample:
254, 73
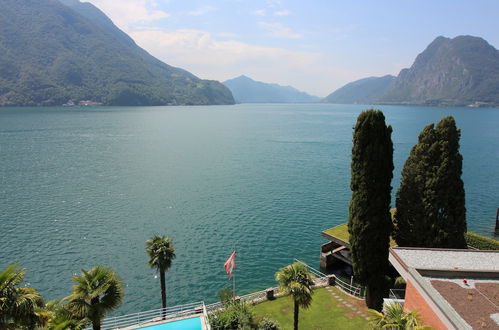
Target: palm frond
161, 252
96, 292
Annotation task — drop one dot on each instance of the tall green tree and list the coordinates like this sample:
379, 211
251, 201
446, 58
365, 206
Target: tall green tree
96, 293
370, 221
19, 306
161, 254
430, 201
296, 280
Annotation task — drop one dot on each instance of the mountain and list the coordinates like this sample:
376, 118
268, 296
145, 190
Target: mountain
247, 90
52, 52
362, 91
459, 71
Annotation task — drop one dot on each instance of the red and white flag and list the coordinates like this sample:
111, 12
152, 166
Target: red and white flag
230, 264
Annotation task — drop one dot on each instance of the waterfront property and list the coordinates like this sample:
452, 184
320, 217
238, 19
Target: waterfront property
334, 302
451, 289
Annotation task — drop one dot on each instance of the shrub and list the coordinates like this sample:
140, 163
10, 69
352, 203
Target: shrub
399, 283
268, 324
226, 295
481, 242
235, 315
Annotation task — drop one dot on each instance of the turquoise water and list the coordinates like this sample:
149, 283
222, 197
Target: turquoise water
193, 323
87, 186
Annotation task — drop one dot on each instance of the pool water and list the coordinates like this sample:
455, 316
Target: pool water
193, 323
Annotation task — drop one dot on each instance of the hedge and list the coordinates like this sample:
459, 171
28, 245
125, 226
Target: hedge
481, 242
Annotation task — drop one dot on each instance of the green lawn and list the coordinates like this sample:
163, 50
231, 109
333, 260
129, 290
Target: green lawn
325, 313
341, 232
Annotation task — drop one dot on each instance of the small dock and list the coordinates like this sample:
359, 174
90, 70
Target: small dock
338, 247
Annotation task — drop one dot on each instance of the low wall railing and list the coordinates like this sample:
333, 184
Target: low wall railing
323, 280
320, 280
155, 315
397, 294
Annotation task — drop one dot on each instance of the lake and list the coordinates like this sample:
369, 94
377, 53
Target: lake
86, 186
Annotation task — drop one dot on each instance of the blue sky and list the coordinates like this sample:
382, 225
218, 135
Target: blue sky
316, 45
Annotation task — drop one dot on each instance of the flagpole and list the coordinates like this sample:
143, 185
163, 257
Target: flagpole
234, 277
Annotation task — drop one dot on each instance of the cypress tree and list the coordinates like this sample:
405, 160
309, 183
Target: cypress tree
370, 222
430, 201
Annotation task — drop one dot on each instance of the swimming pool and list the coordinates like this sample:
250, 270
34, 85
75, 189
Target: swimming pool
193, 323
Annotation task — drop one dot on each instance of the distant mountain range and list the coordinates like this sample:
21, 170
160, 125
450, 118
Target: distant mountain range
247, 90
455, 72
52, 52
361, 91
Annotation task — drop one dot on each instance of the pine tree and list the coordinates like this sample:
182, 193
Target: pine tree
430, 201
370, 222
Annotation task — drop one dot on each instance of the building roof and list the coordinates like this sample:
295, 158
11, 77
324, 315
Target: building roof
462, 284
475, 302
476, 260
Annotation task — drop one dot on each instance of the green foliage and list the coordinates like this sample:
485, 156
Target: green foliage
430, 200
51, 53
161, 254
60, 318
268, 324
370, 220
235, 315
481, 242
296, 280
226, 295
96, 293
19, 306
400, 283
395, 318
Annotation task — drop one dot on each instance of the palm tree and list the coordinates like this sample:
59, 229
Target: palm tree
296, 280
18, 306
96, 292
60, 318
161, 253
395, 318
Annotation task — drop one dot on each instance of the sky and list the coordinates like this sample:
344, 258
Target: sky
316, 46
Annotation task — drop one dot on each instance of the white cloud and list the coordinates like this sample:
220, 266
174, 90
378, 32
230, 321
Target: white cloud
260, 12
201, 11
283, 12
274, 3
226, 34
125, 13
201, 53
279, 31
